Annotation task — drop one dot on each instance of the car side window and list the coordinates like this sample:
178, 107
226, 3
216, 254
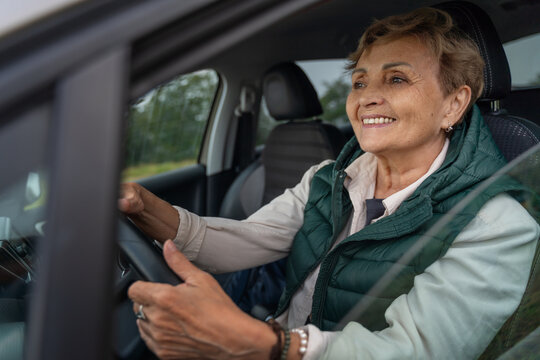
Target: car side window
166, 126
331, 81
524, 59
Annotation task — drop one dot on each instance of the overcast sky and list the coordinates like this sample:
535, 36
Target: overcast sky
524, 58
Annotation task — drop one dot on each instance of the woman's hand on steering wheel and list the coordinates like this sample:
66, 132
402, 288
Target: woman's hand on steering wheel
130, 201
196, 319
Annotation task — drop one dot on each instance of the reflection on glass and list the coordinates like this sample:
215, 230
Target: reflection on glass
21, 225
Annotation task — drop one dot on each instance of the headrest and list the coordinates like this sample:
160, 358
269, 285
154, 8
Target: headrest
289, 93
476, 23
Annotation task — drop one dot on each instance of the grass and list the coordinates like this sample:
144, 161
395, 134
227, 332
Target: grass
133, 173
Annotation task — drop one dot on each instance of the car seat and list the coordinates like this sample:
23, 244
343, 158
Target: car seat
513, 135
291, 149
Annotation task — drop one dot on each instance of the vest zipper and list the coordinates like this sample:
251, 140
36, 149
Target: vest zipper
321, 294
336, 209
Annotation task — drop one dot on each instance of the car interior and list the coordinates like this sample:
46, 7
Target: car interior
513, 134
255, 48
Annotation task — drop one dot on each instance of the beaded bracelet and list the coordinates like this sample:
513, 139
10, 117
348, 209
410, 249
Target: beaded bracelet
303, 340
286, 344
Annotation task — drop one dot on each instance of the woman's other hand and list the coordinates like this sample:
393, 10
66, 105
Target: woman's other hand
155, 217
196, 319
130, 201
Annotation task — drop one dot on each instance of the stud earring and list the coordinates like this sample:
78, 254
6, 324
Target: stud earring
449, 128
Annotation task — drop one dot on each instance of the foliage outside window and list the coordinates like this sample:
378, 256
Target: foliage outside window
332, 85
166, 126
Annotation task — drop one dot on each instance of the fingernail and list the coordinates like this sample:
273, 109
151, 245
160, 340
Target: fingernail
170, 245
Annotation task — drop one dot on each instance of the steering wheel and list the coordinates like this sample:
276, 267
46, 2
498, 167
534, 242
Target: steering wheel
139, 259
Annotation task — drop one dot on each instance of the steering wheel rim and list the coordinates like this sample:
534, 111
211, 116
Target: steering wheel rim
143, 255
145, 263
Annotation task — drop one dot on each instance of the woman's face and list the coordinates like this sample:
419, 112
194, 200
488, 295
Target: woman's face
396, 105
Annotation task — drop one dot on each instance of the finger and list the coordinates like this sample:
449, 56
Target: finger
136, 306
143, 292
146, 335
131, 204
178, 262
130, 200
123, 205
149, 314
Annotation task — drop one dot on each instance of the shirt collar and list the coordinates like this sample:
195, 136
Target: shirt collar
361, 177
392, 202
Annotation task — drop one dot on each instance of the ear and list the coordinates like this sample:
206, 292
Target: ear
456, 105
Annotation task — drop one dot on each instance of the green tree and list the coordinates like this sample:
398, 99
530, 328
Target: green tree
168, 123
333, 102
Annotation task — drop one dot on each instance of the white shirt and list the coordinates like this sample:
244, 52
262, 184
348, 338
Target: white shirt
457, 304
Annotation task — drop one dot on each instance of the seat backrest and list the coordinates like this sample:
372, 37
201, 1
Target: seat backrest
291, 147
513, 136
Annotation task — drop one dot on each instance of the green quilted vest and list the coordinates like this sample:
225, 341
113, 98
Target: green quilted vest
350, 269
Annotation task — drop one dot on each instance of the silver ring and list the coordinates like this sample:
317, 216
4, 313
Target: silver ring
140, 313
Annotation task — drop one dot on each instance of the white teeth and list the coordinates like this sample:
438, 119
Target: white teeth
378, 120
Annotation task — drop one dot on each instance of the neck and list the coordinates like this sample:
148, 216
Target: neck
397, 171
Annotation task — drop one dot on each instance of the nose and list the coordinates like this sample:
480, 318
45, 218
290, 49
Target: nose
370, 96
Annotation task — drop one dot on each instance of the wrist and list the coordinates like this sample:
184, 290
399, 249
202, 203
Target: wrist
264, 338
290, 345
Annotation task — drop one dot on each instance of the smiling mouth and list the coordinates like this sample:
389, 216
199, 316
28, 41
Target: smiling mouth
378, 121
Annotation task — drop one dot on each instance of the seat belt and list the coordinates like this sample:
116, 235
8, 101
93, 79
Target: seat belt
245, 131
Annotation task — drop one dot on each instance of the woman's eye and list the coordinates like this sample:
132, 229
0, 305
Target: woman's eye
397, 80
358, 85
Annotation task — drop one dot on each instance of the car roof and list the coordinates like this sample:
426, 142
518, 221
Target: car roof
331, 29
296, 30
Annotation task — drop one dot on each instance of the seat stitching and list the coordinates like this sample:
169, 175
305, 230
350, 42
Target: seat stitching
483, 47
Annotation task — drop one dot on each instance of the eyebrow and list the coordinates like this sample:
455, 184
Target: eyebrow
359, 70
384, 67
394, 64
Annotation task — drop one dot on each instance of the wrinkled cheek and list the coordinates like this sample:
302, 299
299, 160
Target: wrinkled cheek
351, 108
357, 129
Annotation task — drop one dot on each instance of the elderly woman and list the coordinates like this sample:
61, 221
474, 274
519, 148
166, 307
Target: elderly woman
420, 146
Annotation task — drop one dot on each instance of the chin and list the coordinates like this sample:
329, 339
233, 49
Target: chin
371, 146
